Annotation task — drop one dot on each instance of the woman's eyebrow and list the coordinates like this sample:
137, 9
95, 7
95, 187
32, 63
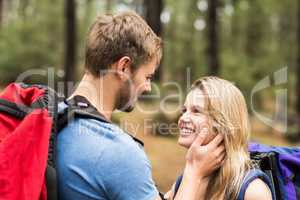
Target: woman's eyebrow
200, 108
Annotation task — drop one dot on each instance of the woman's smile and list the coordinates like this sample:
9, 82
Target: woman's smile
186, 129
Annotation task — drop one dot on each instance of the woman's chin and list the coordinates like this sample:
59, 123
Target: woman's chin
185, 142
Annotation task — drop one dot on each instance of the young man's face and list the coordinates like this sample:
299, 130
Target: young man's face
140, 82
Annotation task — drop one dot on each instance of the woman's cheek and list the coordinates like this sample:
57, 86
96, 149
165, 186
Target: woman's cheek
202, 123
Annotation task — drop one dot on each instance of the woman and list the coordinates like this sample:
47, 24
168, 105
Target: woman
219, 106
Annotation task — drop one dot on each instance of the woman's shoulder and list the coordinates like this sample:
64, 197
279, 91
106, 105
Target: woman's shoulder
258, 189
256, 185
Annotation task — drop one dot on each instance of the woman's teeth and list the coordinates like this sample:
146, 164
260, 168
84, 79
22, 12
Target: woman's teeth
187, 130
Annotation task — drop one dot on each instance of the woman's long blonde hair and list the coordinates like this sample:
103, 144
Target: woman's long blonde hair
228, 114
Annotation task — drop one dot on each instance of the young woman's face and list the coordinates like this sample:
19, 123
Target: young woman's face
193, 119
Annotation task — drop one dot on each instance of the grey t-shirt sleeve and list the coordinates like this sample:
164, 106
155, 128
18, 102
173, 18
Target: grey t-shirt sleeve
124, 173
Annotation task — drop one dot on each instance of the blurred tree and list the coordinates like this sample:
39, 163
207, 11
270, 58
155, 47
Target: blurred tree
109, 6
1, 12
298, 65
255, 30
70, 44
213, 38
23, 4
153, 10
190, 34
235, 29
31, 44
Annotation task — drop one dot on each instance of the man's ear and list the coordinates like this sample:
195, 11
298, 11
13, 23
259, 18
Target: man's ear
123, 68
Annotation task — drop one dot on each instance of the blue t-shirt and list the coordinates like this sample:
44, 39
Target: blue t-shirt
98, 160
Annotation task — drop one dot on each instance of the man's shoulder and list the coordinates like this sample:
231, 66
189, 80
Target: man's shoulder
98, 135
102, 128
97, 138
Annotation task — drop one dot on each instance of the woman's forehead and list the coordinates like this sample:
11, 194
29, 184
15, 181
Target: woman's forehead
195, 98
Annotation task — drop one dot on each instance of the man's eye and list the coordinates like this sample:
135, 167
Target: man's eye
149, 78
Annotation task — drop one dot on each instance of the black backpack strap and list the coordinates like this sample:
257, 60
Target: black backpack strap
13, 109
161, 195
177, 185
78, 106
267, 162
251, 176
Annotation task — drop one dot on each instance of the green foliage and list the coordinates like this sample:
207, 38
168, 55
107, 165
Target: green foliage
256, 38
33, 41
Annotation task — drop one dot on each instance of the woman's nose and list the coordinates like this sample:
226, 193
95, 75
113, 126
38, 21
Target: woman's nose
185, 117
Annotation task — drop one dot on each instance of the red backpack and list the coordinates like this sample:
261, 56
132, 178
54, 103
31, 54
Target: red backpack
26, 124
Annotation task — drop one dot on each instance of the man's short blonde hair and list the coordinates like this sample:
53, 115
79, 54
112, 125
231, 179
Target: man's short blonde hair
113, 36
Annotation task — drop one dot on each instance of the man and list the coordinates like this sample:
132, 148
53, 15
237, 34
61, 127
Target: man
98, 160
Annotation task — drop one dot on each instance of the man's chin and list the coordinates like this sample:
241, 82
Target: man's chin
128, 108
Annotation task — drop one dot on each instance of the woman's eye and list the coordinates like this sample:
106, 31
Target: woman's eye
195, 110
183, 110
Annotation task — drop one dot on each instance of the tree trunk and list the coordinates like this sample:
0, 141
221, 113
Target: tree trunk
1, 12
109, 6
70, 44
153, 10
23, 7
213, 39
298, 65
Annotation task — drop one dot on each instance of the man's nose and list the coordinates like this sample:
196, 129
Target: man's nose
147, 87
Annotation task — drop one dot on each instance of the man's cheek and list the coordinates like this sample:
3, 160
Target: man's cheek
140, 89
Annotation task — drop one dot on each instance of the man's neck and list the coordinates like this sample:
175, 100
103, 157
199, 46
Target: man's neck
100, 92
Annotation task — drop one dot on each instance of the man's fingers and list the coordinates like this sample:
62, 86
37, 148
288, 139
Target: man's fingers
220, 161
201, 137
220, 149
216, 141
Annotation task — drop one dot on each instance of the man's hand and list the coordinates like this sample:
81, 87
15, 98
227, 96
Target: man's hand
202, 160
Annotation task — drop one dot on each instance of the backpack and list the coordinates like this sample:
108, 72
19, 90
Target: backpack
278, 167
26, 125
251, 176
29, 123
282, 166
